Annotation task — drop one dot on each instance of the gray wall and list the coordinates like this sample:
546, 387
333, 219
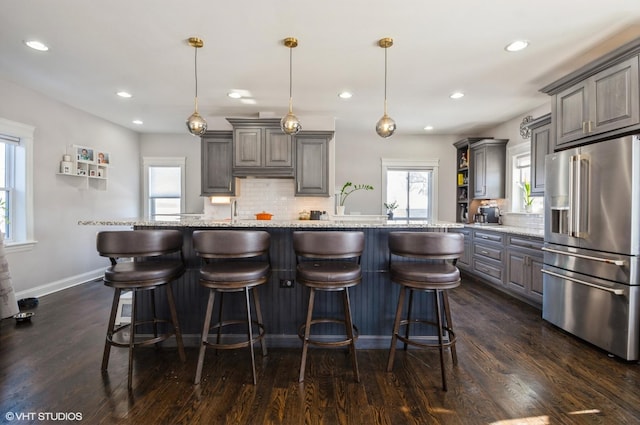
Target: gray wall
65, 252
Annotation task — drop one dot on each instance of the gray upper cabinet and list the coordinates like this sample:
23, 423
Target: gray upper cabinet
312, 163
601, 99
606, 101
488, 158
217, 158
261, 148
541, 144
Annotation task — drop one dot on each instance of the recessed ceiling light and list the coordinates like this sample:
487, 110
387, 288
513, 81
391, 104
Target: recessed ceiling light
138, 122
37, 45
456, 95
124, 94
516, 46
234, 95
345, 95
429, 128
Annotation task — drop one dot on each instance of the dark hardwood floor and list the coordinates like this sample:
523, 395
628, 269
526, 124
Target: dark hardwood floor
513, 368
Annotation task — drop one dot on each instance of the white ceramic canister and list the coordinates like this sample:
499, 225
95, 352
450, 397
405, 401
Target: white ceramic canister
66, 166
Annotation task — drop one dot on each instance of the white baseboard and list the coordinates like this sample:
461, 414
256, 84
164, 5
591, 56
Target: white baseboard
59, 285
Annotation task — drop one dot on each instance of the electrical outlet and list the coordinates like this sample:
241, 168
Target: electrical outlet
286, 283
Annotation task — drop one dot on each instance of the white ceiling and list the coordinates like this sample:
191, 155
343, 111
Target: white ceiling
100, 47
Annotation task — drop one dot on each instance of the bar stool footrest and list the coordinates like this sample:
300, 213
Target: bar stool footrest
139, 343
231, 346
324, 343
450, 340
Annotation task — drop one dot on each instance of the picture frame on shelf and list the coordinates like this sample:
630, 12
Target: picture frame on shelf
84, 154
100, 173
92, 173
82, 172
103, 158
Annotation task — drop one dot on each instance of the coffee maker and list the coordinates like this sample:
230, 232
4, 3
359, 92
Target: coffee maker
488, 214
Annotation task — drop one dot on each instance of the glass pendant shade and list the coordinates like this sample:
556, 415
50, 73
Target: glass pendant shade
195, 123
290, 123
385, 126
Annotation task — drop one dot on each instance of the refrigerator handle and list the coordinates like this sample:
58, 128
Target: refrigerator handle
570, 215
620, 263
582, 282
578, 195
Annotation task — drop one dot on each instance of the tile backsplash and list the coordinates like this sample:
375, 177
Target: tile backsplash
531, 221
275, 196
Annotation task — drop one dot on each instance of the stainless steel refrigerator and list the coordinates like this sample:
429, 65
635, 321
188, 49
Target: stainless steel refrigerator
592, 244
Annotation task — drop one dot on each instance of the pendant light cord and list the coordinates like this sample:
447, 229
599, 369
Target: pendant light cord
385, 80
290, 80
195, 68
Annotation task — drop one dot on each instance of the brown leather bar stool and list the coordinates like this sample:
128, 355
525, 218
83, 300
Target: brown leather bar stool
232, 263
149, 270
431, 269
328, 261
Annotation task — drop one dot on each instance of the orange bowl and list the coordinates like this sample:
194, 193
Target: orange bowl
263, 216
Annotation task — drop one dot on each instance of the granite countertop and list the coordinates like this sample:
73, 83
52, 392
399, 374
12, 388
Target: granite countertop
335, 222
523, 231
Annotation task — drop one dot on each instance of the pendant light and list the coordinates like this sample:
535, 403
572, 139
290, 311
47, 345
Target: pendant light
385, 125
195, 123
290, 123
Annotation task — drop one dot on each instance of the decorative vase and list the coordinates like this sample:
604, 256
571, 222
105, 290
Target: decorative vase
528, 208
390, 215
340, 210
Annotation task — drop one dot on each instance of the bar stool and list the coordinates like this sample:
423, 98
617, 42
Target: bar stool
148, 271
232, 264
328, 261
436, 273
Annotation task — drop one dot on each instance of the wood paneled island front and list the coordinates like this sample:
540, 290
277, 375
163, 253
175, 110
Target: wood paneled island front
284, 308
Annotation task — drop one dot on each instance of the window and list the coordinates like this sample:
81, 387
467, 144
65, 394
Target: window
520, 157
16, 176
412, 185
163, 186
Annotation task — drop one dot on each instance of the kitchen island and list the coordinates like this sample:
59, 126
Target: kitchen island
284, 308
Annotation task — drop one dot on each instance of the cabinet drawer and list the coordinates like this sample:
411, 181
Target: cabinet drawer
526, 242
489, 236
484, 268
495, 253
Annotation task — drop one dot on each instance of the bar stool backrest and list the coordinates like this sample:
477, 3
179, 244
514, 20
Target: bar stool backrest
138, 243
426, 245
328, 244
231, 243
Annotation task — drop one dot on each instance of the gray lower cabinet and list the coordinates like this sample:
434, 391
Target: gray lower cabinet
261, 148
216, 167
312, 163
488, 256
525, 264
511, 263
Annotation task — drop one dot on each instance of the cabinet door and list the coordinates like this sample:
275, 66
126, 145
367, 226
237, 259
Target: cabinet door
247, 147
312, 165
518, 271
541, 145
479, 161
572, 112
278, 148
217, 157
536, 278
614, 102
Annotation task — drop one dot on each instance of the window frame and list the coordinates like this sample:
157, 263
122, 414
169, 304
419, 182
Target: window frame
513, 153
148, 162
394, 164
22, 206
